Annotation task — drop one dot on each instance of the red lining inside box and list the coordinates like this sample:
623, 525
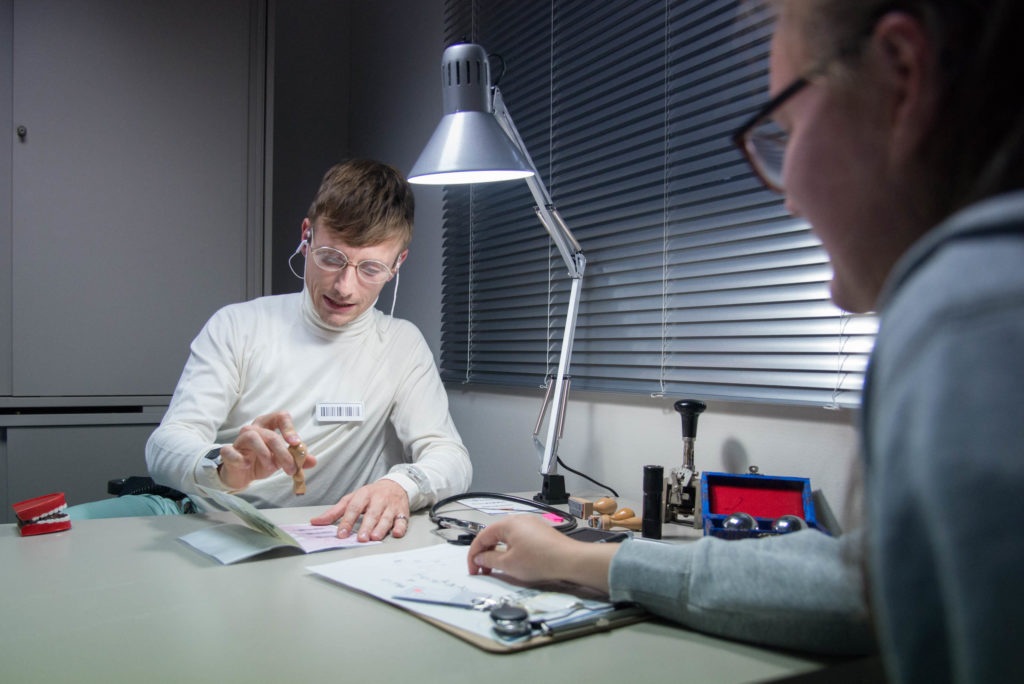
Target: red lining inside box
759, 499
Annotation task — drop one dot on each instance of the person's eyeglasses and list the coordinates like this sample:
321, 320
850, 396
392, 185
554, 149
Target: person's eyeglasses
369, 270
763, 141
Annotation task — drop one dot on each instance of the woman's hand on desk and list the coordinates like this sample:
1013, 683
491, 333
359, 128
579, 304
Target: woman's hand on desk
535, 552
260, 450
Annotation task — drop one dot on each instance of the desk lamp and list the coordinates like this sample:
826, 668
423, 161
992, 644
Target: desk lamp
477, 142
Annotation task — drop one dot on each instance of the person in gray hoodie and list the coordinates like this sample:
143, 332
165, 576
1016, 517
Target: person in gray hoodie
897, 130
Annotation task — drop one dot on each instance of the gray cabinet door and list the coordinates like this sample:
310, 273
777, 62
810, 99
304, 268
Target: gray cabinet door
6, 142
133, 186
76, 460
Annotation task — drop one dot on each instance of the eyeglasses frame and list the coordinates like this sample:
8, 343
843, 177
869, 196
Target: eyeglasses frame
741, 138
355, 264
742, 135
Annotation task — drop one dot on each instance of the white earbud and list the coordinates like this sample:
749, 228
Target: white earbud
298, 250
394, 295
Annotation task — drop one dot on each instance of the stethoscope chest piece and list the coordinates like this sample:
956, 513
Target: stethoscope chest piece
510, 621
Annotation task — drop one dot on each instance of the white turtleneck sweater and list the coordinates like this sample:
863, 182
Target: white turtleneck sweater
276, 354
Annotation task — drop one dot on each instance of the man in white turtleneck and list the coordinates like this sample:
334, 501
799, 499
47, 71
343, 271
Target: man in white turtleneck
325, 368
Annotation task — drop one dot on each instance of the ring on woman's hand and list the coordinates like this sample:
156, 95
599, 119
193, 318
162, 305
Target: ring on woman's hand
401, 517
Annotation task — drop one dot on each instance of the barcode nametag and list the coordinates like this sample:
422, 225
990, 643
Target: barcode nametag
337, 412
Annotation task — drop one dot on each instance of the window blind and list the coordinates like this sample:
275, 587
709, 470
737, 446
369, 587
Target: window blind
698, 282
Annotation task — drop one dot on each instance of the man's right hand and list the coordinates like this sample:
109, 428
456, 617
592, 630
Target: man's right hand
260, 450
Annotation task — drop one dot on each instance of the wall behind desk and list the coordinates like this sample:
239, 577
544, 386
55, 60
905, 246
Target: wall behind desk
611, 437
395, 104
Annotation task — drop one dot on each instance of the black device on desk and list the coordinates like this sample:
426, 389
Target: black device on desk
593, 534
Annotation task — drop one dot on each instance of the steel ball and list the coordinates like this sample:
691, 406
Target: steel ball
788, 523
740, 521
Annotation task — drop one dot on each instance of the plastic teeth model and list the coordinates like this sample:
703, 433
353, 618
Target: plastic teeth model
43, 515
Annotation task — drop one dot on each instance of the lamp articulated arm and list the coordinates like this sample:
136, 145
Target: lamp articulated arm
576, 263
567, 245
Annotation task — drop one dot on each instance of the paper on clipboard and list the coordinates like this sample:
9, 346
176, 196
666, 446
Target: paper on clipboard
422, 581
493, 506
230, 543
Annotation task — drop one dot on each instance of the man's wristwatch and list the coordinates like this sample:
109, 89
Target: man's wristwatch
212, 459
418, 477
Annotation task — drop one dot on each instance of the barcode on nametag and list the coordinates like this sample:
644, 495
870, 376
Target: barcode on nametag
338, 412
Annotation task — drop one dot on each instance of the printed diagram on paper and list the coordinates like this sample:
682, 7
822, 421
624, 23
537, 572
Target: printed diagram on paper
439, 574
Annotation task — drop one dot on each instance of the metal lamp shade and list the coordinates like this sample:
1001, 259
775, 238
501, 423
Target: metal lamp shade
469, 147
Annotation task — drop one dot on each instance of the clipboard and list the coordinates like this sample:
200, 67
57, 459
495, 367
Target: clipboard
433, 584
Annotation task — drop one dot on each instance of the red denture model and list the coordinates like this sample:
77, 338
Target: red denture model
42, 515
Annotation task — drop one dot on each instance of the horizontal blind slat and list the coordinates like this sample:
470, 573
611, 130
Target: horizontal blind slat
698, 280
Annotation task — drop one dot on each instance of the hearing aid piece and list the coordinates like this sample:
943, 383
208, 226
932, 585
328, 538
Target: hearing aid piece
605, 505
298, 452
42, 515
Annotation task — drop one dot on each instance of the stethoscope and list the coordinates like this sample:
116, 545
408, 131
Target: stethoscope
471, 529
508, 620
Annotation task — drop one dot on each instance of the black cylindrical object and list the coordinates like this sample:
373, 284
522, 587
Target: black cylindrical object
654, 485
689, 409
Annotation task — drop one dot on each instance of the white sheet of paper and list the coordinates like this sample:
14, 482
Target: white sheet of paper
313, 538
230, 543
440, 572
493, 506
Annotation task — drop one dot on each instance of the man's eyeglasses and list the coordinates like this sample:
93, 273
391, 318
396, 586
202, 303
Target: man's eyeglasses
763, 142
370, 270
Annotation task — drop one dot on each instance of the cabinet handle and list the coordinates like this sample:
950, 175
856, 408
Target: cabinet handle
22, 133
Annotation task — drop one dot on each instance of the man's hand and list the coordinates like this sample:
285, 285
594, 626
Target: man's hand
533, 551
383, 504
260, 450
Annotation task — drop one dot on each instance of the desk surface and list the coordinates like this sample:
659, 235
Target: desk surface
124, 600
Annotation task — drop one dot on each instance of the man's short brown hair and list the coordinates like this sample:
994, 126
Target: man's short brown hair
365, 203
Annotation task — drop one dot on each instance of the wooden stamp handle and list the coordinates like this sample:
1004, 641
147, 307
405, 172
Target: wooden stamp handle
606, 522
298, 452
